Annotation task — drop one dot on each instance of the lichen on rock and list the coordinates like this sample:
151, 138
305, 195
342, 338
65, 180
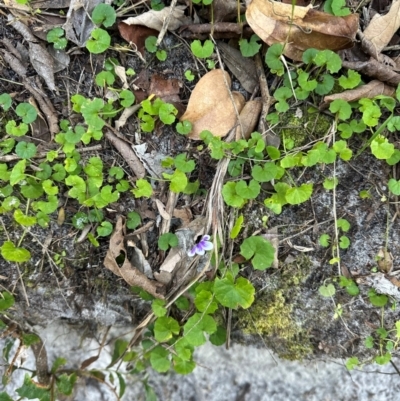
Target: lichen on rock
271, 315
298, 127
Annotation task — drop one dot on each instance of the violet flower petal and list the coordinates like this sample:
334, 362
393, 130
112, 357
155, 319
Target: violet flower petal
201, 248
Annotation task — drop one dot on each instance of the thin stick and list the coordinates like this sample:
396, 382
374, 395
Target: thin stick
166, 23
266, 97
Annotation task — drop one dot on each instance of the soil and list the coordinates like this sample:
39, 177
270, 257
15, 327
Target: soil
289, 316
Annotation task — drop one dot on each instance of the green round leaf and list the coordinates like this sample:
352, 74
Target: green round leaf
159, 359
14, 254
25, 150
133, 220
259, 250
105, 229
264, 173
230, 196
376, 299
5, 101
249, 48
127, 98
104, 14
300, 194
150, 44
195, 327
327, 291
165, 327
233, 294
167, 240
27, 112
104, 78
6, 301
202, 51
99, 41
394, 186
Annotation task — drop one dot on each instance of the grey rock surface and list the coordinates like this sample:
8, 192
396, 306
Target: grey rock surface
243, 373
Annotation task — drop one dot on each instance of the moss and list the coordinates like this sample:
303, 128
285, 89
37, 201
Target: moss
271, 315
310, 126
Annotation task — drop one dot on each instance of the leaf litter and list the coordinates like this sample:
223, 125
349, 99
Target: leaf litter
203, 110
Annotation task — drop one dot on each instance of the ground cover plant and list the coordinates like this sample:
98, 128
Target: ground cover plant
193, 237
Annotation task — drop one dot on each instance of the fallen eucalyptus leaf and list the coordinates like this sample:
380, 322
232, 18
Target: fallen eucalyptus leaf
300, 28
155, 19
136, 34
127, 271
61, 58
210, 105
79, 26
374, 69
39, 57
244, 69
370, 90
382, 27
249, 117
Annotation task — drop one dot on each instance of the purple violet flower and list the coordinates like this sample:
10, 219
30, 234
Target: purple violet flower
201, 247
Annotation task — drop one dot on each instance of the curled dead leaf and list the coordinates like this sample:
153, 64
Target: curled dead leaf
248, 119
243, 68
370, 90
155, 19
136, 34
374, 69
390, 22
127, 271
300, 28
212, 106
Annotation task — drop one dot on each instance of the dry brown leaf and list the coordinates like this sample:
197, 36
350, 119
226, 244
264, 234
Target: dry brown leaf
184, 214
161, 209
123, 118
121, 73
210, 105
177, 262
39, 57
248, 119
127, 153
225, 10
155, 19
385, 260
136, 34
127, 271
382, 27
300, 28
79, 25
370, 90
272, 236
61, 58
43, 63
165, 88
243, 68
374, 69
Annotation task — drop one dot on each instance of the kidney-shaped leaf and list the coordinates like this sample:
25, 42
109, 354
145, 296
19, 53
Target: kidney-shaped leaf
234, 294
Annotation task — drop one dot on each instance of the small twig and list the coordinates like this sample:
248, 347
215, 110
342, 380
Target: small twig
166, 23
266, 97
395, 367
